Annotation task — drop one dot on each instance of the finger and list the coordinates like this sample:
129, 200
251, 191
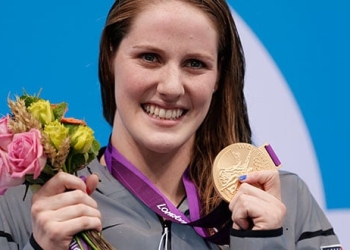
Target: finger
75, 211
61, 200
55, 231
83, 223
254, 213
241, 211
60, 183
241, 220
248, 189
67, 221
91, 183
268, 180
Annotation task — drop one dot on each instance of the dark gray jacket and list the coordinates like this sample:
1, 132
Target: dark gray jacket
130, 225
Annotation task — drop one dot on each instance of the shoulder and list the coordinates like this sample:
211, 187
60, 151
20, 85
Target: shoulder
108, 185
15, 217
300, 202
297, 197
290, 179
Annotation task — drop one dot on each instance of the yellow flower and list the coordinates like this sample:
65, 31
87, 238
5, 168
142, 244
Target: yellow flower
56, 131
82, 138
42, 111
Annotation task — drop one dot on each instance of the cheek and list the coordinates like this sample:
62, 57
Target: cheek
129, 85
202, 93
203, 97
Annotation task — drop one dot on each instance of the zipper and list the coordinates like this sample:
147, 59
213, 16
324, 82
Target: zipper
165, 240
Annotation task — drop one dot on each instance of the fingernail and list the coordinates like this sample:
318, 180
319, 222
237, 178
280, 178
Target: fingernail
242, 177
88, 191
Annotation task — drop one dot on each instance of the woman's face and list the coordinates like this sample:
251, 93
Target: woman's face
165, 71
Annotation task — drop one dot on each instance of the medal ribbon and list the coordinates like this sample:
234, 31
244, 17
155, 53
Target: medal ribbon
132, 179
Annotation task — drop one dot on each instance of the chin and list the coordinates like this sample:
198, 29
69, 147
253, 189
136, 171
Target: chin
163, 146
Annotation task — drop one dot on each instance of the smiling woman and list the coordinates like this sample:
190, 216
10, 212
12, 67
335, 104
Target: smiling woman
279, 86
172, 81
165, 52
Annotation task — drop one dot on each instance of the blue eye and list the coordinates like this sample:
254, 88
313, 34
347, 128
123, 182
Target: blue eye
149, 57
195, 64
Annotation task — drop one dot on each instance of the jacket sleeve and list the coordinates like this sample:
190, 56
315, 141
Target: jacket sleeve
264, 239
312, 229
15, 219
305, 225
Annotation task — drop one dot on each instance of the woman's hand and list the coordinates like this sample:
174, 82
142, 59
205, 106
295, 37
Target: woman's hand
257, 204
58, 214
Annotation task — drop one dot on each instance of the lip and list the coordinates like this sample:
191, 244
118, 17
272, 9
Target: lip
163, 113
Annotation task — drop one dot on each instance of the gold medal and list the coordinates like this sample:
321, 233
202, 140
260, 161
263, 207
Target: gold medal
239, 159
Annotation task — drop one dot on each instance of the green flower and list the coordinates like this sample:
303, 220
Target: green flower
82, 138
42, 111
56, 131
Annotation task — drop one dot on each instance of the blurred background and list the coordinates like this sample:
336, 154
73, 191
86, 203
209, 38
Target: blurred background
297, 82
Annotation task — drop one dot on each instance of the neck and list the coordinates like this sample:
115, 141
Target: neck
169, 182
165, 172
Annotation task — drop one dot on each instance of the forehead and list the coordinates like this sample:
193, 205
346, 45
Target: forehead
184, 17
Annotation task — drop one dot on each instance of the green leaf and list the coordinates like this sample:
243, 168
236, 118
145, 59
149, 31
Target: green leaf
93, 152
29, 99
95, 147
72, 127
74, 162
59, 110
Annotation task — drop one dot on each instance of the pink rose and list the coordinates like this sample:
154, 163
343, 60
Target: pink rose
6, 181
26, 154
5, 134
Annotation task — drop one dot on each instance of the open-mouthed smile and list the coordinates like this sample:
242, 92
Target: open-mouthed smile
161, 113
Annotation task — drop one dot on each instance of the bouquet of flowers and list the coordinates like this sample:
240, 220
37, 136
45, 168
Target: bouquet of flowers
37, 141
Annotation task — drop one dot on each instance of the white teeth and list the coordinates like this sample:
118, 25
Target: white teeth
162, 113
168, 114
151, 109
156, 111
178, 113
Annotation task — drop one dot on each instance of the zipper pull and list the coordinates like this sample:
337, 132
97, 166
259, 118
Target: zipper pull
164, 240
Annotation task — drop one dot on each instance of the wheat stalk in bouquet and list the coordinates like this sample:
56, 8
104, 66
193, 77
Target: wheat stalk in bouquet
37, 142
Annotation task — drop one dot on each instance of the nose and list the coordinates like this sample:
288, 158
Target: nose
171, 85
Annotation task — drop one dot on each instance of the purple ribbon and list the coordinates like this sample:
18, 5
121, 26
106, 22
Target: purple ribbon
75, 246
133, 180
273, 155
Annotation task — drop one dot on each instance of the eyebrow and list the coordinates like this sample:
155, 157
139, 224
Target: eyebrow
148, 47
199, 54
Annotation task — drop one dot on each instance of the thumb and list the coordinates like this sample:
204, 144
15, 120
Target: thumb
91, 183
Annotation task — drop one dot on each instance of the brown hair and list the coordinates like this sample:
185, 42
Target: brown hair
227, 119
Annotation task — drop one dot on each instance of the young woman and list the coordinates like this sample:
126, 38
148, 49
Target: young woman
172, 76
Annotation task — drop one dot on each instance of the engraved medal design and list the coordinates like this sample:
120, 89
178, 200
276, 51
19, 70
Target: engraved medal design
235, 160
